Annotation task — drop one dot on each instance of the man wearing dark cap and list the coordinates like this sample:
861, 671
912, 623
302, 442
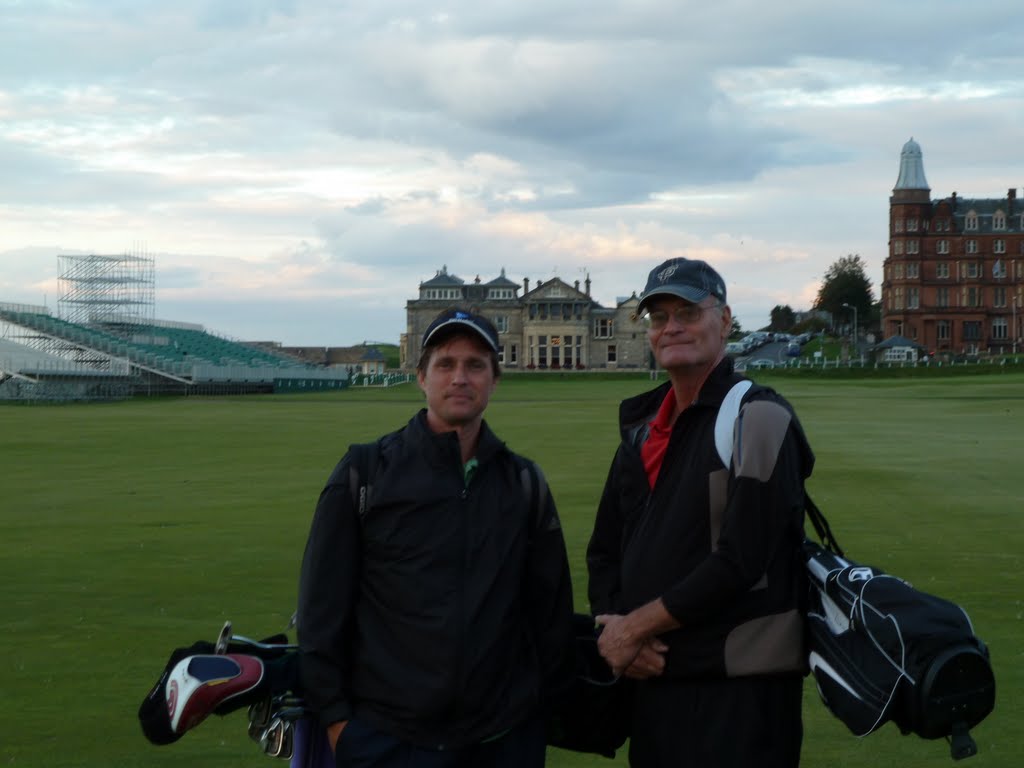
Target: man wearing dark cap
694, 561
435, 605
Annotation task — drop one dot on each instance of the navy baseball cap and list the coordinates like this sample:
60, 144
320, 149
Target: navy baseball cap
454, 319
689, 279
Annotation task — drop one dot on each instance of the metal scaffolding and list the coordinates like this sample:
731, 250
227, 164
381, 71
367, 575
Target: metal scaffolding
107, 289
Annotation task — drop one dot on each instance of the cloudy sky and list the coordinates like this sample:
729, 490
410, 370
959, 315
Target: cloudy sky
297, 167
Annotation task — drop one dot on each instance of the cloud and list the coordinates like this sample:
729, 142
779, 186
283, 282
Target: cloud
333, 155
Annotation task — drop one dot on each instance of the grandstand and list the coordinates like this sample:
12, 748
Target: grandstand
106, 344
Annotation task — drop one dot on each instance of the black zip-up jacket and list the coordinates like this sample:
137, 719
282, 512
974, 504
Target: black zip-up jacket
720, 546
443, 616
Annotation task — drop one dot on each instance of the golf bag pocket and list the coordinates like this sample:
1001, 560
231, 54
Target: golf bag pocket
594, 714
881, 650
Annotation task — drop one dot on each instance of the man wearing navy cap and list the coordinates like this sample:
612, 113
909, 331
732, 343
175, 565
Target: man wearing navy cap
435, 606
695, 558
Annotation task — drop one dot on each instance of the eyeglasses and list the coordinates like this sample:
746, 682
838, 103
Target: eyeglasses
687, 314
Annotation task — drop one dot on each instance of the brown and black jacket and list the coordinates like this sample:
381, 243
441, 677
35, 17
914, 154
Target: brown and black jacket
721, 546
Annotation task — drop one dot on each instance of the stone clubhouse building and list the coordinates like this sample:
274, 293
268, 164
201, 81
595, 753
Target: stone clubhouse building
547, 326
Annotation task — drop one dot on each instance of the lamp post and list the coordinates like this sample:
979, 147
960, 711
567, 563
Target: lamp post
850, 306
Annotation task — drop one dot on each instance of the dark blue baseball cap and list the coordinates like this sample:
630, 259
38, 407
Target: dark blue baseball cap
455, 319
689, 279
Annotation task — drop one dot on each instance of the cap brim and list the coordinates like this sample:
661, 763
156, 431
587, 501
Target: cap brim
685, 292
448, 326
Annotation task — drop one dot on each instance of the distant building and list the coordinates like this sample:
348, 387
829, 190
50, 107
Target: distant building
553, 326
953, 277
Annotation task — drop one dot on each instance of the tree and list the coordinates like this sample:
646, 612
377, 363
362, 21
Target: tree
846, 282
736, 331
782, 318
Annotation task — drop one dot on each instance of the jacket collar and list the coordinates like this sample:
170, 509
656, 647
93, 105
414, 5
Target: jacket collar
642, 408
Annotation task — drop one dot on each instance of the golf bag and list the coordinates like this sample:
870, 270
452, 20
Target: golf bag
881, 650
235, 672
594, 714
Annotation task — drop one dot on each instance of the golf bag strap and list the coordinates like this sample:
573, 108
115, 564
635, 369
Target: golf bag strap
535, 488
361, 470
725, 425
821, 526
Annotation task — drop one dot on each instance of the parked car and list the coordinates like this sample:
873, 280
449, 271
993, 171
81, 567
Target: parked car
793, 349
762, 362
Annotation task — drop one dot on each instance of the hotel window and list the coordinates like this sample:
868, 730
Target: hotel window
999, 296
911, 225
942, 330
972, 330
899, 225
913, 246
971, 297
913, 269
971, 246
942, 297
972, 269
897, 271
1000, 328
913, 300
971, 222
897, 247
942, 270
999, 246
942, 246
999, 220
897, 298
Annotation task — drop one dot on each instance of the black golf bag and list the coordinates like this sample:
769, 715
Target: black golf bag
233, 673
881, 650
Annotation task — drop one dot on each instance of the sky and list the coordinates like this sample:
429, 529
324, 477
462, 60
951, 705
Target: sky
297, 168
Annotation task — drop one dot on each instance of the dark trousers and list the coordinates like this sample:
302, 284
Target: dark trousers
737, 723
363, 746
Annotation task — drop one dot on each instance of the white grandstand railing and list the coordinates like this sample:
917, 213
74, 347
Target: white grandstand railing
34, 309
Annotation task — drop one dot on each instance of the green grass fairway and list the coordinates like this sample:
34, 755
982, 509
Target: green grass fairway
133, 528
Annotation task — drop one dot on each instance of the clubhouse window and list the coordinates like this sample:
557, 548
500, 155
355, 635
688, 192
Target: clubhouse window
612, 353
603, 328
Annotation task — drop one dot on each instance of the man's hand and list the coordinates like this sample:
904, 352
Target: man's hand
629, 643
650, 662
616, 643
334, 733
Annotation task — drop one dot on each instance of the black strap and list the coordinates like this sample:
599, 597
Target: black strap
362, 467
821, 526
535, 488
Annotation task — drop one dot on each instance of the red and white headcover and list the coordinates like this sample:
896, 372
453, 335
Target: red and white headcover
198, 684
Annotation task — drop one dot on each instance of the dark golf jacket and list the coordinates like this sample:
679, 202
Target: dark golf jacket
443, 616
